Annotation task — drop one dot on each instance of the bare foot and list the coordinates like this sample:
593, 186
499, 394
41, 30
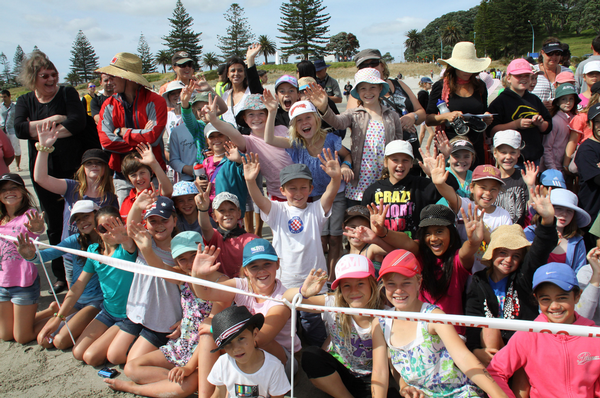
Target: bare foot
120, 385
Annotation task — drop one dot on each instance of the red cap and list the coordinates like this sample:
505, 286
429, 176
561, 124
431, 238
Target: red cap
486, 172
400, 261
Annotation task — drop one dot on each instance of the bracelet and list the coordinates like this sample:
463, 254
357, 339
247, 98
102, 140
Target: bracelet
30, 260
347, 163
300, 291
386, 233
42, 148
62, 317
202, 211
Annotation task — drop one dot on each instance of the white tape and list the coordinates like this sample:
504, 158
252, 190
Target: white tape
450, 319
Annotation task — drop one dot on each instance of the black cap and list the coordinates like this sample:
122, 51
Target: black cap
595, 88
357, 211
12, 177
550, 47
365, 55
437, 215
163, 207
95, 154
231, 322
593, 112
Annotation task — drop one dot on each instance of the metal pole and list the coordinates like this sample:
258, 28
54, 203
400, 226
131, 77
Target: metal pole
532, 37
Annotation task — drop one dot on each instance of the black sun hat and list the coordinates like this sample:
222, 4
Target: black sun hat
231, 322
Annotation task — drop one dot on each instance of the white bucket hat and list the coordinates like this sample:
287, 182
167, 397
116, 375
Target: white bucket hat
372, 76
173, 86
464, 58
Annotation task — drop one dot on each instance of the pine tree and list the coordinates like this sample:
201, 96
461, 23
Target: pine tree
182, 37
6, 75
239, 35
303, 27
35, 48
148, 63
84, 60
18, 61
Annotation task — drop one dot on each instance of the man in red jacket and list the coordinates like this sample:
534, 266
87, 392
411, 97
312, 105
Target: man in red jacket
133, 115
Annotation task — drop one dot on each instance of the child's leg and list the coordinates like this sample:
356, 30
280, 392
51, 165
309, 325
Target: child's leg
163, 388
6, 320
90, 334
208, 359
119, 346
249, 220
25, 329
324, 371
145, 344
77, 325
95, 355
148, 368
258, 222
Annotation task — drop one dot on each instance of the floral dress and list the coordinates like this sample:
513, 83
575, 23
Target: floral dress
195, 310
426, 364
371, 164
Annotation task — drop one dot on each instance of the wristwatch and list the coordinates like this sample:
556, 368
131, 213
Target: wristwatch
118, 131
416, 117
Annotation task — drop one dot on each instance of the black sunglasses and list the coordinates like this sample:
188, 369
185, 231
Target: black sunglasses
101, 229
553, 53
188, 64
372, 64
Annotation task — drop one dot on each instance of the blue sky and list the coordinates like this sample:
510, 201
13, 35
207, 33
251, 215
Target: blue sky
114, 26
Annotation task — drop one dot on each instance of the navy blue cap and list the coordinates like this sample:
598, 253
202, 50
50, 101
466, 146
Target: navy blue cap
163, 207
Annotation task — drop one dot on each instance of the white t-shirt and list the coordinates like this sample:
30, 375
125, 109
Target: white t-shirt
269, 380
297, 240
491, 222
232, 111
154, 302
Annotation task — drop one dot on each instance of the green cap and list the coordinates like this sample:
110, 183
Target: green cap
185, 242
201, 96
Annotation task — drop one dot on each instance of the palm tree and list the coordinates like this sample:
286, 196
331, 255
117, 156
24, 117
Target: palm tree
210, 59
267, 46
413, 41
163, 57
451, 35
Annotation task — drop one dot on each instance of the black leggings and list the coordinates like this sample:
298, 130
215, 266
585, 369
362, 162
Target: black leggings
317, 363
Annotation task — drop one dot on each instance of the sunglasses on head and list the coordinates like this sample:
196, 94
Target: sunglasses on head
46, 75
369, 64
100, 228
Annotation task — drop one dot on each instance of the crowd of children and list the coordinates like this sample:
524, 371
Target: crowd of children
508, 240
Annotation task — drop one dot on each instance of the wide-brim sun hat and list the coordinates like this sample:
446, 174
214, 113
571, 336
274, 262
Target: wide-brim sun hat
253, 102
464, 58
509, 237
566, 89
565, 198
370, 76
126, 66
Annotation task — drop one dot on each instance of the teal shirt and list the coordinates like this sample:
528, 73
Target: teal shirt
196, 128
464, 190
115, 283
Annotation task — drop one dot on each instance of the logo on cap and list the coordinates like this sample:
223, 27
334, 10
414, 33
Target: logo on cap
114, 60
257, 249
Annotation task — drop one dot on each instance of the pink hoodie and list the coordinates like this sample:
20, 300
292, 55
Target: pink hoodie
557, 365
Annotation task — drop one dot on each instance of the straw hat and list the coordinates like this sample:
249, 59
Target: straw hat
127, 66
464, 58
510, 237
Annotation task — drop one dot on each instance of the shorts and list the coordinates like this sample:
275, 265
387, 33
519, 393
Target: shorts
21, 295
333, 225
16, 144
157, 339
109, 320
89, 302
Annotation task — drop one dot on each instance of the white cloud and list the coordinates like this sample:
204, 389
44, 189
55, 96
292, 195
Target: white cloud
399, 25
41, 21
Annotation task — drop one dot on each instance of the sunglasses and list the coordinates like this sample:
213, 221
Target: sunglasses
92, 86
369, 64
46, 75
553, 53
100, 228
188, 64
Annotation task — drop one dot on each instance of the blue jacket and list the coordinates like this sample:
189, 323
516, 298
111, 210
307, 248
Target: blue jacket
576, 254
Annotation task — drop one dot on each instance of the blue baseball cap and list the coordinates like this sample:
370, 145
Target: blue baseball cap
553, 178
559, 274
425, 79
286, 79
184, 242
259, 249
163, 207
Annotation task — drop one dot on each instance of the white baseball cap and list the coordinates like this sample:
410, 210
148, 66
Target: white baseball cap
300, 108
399, 146
592, 66
83, 206
511, 138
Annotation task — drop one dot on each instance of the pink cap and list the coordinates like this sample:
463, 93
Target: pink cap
486, 172
352, 266
519, 66
400, 261
565, 77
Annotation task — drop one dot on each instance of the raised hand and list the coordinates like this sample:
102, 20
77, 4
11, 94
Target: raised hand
25, 246
146, 198
347, 173
145, 151
140, 235
212, 109
203, 198
186, 93
377, 215
35, 222
47, 133
253, 51
330, 163
269, 101
251, 166
361, 233
429, 161
530, 173
115, 227
439, 174
204, 262
443, 144
541, 203
315, 94
313, 283
474, 225
593, 258
232, 152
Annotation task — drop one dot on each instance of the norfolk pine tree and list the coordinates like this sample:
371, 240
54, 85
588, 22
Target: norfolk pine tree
239, 35
182, 37
18, 61
84, 60
148, 63
304, 28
